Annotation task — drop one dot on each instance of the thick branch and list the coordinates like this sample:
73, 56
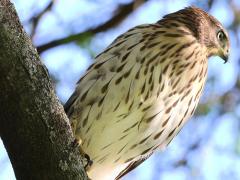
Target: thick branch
33, 126
121, 13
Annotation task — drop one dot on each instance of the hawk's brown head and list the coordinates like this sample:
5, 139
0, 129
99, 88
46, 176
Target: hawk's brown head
207, 30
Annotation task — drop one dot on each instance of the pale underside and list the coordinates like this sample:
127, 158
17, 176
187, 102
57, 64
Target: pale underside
135, 99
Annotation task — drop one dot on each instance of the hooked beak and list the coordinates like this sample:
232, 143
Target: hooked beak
225, 56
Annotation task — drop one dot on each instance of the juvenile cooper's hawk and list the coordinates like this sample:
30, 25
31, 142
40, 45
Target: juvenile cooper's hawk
142, 89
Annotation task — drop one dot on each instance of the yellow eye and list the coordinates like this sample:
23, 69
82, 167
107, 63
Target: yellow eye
220, 35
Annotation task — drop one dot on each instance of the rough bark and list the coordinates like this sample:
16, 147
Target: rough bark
33, 125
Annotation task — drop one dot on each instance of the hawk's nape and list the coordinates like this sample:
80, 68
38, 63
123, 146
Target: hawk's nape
143, 88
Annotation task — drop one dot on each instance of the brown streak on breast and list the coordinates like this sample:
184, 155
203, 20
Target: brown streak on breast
171, 133
192, 66
125, 56
158, 135
146, 151
143, 140
166, 121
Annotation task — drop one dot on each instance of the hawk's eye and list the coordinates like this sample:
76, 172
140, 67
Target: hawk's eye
220, 35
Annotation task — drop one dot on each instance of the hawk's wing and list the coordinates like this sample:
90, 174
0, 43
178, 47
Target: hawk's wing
68, 105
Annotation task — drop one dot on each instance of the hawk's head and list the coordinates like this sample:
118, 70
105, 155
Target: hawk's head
207, 30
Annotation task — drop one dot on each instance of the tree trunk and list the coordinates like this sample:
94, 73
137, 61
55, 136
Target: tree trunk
33, 125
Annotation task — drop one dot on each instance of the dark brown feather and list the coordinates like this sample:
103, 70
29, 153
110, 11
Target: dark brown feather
132, 166
68, 106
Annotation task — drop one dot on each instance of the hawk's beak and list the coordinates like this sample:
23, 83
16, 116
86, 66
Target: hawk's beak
225, 56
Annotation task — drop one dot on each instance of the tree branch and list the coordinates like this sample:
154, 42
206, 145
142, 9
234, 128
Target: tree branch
121, 13
33, 125
35, 19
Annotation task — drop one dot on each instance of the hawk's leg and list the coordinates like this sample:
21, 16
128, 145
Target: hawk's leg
87, 160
